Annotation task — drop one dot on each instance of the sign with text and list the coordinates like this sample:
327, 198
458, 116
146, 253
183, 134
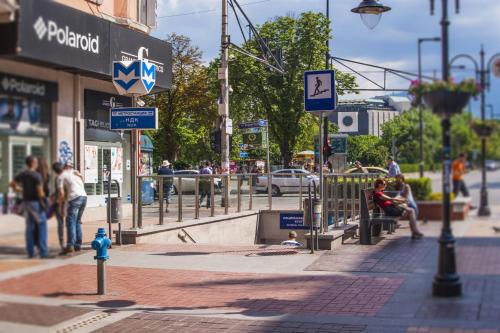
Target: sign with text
133, 118
338, 142
319, 91
292, 220
254, 135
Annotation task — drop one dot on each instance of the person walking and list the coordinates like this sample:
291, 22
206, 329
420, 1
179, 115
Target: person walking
392, 167
30, 183
458, 171
71, 188
168, 181
205, 184
59, 204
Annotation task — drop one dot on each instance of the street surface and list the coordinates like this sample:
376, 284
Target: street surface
385, 287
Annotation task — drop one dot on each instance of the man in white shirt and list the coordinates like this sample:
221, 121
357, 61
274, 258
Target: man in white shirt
71, 189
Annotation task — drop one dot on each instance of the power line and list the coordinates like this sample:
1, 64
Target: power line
210, 10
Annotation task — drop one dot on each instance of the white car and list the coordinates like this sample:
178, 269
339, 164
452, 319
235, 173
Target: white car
189, 182
287, 181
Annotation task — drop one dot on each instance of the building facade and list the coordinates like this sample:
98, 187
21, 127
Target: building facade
366, 117
56, 90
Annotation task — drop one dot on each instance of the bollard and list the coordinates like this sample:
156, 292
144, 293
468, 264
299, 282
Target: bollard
101, 243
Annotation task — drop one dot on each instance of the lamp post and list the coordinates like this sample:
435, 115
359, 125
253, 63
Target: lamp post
420, 109
371, 12
446, 282
483, 74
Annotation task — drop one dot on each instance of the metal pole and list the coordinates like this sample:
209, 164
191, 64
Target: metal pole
420, 112
446, 282
269, 176
224, 107
321, 135
484, 209
101, 277
133, 171
109, 207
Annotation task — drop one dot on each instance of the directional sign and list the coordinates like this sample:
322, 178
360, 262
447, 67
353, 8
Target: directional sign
319, 91
243, 154
253, 124
134, 118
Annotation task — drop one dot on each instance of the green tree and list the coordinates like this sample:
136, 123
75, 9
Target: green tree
368, 149
405, 132
263, 93
186, 111
463, 138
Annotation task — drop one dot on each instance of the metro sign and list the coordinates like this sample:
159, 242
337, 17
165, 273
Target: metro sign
136, 77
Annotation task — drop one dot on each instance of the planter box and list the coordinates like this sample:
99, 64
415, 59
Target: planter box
433, 210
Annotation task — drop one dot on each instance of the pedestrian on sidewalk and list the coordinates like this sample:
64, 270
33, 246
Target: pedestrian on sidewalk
395, 207
292, 240
392, 167
71, 189
205, 184
405, 192
458, 171
30, 183
59, 204
168, 181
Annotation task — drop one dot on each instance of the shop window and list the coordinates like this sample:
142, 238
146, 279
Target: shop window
103, 167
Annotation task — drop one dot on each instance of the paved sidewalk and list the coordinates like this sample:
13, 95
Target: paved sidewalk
385, 288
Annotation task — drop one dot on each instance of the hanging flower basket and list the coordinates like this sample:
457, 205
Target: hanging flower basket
446, 98
445, 102
483, 129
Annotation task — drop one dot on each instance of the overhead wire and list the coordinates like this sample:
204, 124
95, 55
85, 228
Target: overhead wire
209, 10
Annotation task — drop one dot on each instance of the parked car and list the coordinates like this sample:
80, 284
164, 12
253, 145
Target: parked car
286, 181
492, 165
371, 169
189, 181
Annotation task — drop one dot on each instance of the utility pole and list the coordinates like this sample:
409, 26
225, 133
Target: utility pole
224, 88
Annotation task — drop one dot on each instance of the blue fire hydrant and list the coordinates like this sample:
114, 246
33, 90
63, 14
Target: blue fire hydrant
101, 243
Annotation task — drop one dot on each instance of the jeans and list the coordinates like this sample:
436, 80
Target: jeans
60, 228
36, 219
74, 221
413, 204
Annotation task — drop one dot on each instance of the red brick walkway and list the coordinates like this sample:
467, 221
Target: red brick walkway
193, 324
182, 289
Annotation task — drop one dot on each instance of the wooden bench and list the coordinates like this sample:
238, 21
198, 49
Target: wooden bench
372, 219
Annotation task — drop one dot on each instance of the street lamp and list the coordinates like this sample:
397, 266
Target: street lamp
483, 73
420, 109
371, 12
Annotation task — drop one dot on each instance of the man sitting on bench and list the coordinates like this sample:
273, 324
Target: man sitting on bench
395, 207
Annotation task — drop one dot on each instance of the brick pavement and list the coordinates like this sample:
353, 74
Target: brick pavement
194, 324
40, 315
183, 289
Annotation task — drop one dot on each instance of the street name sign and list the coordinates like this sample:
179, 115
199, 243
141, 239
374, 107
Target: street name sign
319, 91
133, 118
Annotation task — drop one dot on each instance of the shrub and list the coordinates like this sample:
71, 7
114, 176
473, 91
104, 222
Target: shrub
421, 187
438, 196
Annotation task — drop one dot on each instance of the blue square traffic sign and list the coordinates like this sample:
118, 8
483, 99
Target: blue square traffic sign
319, 91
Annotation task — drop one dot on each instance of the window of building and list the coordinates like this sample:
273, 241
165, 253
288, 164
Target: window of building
146, 10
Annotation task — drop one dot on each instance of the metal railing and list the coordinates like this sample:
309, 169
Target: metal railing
235, 193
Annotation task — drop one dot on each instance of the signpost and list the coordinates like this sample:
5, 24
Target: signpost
134, 78
256, 136
133, 118
320, 97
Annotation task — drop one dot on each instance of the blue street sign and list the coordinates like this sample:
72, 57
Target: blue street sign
292, 221
253, 124
243, 154
319, 91
133, 118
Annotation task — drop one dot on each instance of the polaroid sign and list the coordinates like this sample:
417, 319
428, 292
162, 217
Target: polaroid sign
134, 77
50, 30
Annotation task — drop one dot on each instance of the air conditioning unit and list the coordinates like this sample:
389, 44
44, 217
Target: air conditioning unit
7, 10
97, 2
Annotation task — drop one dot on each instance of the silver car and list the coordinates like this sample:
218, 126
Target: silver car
287, 181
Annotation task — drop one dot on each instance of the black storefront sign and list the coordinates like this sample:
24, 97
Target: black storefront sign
25, 87
159, 52
55, 33
97, 106
66, 38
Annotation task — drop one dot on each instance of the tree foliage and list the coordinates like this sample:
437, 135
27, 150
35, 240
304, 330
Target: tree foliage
186, 111
368, 149
262, 93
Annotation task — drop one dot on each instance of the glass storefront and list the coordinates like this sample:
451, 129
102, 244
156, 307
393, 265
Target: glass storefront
25, 120
106, 152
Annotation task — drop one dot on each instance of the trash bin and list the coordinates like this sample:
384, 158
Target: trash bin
116, 205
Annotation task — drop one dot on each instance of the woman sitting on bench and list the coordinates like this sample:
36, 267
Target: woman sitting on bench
395, 207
